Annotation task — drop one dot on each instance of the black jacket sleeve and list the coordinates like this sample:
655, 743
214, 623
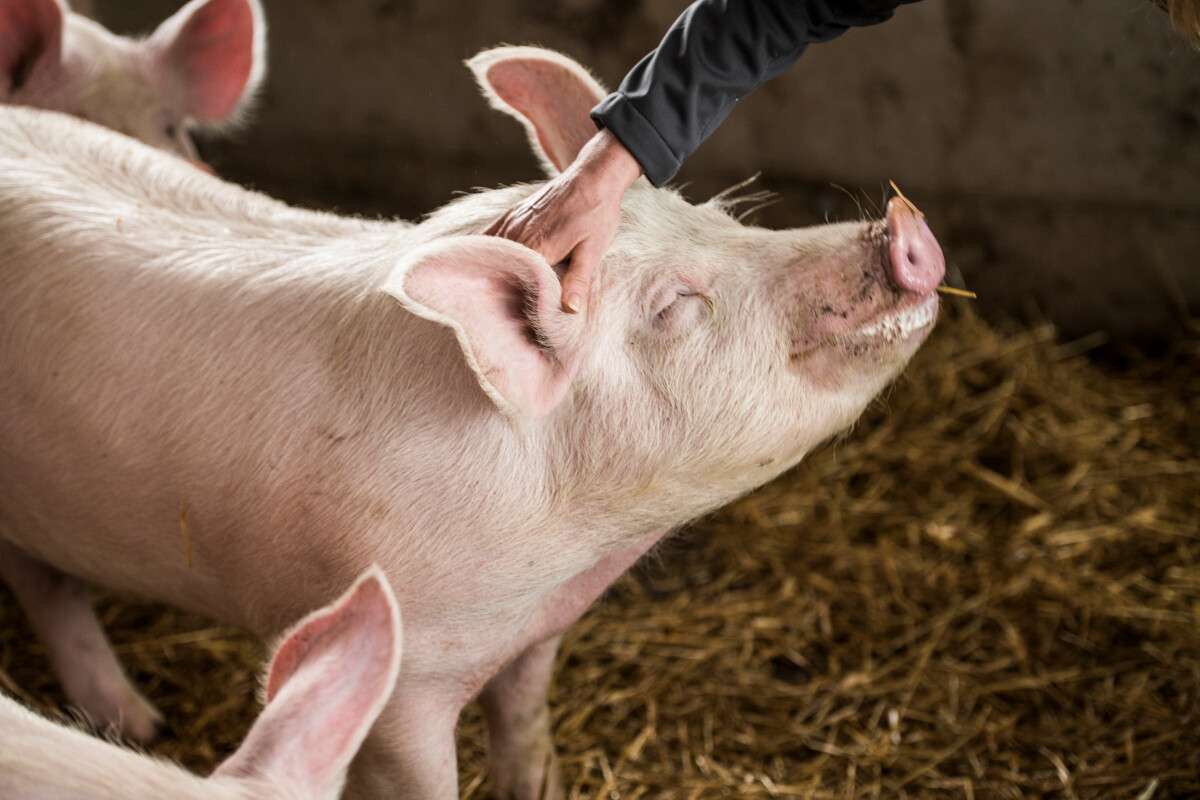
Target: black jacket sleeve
717, 52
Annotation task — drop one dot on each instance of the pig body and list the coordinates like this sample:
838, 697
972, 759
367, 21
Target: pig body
199, 68
327, 683
311, 398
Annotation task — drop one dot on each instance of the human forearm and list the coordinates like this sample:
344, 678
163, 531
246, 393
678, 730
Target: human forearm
716, 53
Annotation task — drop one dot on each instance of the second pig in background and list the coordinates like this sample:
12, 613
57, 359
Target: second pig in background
199, 69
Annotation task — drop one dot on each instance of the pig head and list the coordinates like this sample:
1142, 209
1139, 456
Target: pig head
198, 69
177, 350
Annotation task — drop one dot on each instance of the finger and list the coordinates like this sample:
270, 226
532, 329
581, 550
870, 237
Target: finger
514, 225
499, 227
552, 252
578, 280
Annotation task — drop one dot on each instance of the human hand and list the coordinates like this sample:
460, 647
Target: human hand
575, 215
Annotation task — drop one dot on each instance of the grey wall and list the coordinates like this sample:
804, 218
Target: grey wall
1055, 147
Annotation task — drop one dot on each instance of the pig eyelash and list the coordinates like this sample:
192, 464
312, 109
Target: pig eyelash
670, 310
666, 310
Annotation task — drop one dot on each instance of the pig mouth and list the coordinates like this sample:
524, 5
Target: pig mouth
907, 322
899, 323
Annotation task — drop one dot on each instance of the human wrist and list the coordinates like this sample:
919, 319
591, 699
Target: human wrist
609, 161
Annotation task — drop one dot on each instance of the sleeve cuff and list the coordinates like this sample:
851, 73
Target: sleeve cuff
639, 137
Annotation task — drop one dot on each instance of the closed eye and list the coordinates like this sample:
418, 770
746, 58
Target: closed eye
672, 305
684, 308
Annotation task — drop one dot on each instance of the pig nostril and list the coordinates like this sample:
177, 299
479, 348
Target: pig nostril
917, 263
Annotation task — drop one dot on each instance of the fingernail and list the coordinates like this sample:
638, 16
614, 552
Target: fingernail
573, 303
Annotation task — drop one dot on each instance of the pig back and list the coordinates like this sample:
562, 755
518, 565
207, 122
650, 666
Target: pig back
195, 392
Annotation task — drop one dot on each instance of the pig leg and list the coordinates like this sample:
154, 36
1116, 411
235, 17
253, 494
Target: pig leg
521, 744
60, 611
410, 751
522, 758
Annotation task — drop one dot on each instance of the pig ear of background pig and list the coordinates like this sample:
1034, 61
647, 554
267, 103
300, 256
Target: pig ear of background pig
216, 48
327, 684
501, 299
30, 37
549, 93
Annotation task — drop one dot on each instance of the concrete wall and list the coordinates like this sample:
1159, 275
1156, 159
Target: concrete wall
1055, 147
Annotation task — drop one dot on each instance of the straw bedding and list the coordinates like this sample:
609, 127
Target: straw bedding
989, 589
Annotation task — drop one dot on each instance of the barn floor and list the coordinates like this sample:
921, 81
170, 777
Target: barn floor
989, 589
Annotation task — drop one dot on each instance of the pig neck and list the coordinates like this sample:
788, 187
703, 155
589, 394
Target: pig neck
491, 503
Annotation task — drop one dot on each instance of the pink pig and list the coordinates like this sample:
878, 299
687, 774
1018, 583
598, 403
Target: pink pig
327, 683
312, 394
201, 67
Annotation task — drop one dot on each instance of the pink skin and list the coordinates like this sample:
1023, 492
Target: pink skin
327, 683
322, 393
200, 68
916, 257
574, 216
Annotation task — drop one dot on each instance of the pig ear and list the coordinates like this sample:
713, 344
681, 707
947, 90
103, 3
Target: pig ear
30, 34
215, 49
502, 300
327, 684
548, 92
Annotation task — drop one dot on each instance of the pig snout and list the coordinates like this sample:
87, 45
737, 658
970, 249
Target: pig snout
889, 301
915, 260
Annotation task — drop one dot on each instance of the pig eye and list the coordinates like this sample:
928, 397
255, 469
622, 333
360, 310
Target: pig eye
170, 130
673, 304
683, 309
